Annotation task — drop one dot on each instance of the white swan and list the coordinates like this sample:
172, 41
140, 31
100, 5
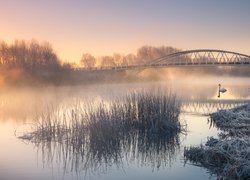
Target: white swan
221, 90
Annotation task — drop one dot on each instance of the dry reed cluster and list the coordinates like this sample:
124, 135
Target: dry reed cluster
141, 127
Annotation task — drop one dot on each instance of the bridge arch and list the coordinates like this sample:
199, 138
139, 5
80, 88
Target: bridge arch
201, 57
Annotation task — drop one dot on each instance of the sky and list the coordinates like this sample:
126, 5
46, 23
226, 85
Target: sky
104, 27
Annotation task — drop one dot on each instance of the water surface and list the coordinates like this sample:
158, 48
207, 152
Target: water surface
23, 160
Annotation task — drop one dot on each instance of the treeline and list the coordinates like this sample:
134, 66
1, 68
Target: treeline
28, 55
33, 56
31, 61
142, 56
25, 62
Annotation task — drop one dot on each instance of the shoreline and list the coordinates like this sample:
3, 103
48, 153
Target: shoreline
227, 157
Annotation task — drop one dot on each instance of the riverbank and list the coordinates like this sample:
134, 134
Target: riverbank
228, 157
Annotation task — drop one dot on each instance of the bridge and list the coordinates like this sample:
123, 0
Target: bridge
200, 57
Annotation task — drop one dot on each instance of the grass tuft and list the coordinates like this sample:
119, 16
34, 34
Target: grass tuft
141, 126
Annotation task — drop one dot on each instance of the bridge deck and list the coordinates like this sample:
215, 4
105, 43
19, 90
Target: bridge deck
163, 65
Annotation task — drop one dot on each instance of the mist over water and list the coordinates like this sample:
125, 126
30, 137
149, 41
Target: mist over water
21, 107
21, 103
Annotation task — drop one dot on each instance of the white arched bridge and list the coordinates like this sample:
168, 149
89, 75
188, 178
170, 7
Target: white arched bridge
200, 57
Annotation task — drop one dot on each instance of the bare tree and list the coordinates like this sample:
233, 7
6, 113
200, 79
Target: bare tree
88, 60
145, 54
118, 58
4, 53
107, 61
131, 59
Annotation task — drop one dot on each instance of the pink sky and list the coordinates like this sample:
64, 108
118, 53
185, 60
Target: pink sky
107, 26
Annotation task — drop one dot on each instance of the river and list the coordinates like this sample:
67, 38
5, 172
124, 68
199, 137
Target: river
21, 159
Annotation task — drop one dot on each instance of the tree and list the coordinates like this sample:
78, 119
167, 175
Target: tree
108, 61
88, 60
4, 53
49, 59
130, 59
145, 54
118, 59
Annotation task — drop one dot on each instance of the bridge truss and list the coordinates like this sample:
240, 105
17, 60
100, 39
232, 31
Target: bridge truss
202, 57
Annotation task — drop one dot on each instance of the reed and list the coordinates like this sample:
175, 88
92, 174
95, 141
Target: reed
140, 125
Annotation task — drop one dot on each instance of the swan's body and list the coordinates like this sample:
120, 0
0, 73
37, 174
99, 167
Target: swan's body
222, 90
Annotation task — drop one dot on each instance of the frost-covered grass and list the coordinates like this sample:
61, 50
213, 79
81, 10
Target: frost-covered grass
141, 125
229, 156
236, 121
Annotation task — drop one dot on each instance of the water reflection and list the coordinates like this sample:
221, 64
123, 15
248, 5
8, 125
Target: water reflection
144, 128
206, 107
100, 155
136, 149
23, 103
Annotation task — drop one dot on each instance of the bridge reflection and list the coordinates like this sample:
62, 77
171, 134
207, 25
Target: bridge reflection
205, 107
